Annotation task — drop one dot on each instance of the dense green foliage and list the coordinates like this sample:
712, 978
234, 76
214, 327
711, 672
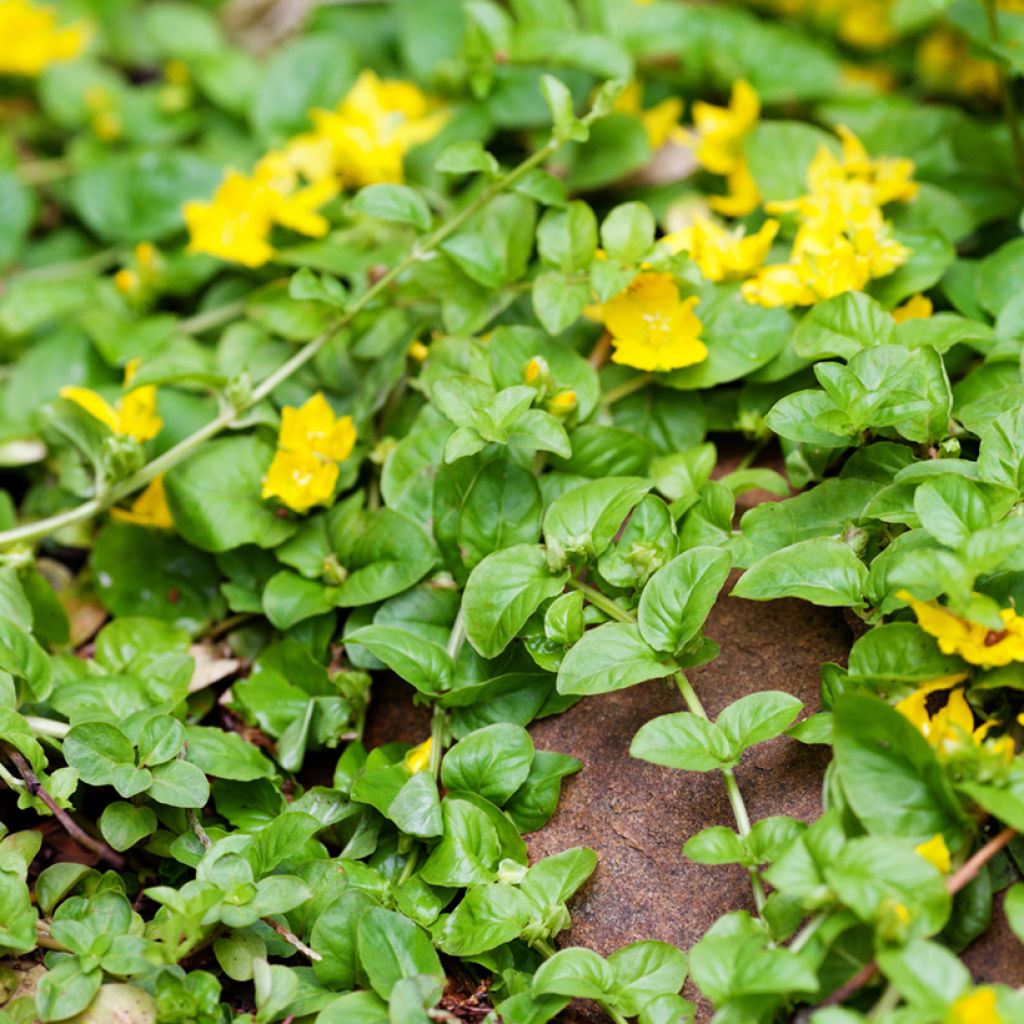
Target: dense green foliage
387, 433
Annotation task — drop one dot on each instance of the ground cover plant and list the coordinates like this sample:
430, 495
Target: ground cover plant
399, 339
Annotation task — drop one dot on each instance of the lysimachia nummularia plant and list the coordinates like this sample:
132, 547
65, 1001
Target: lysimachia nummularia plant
361, 345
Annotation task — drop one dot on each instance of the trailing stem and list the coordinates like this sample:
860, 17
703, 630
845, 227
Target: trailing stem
692, 701
170, 458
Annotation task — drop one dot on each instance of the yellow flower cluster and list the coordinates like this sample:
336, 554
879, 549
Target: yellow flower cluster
717, 140
31, 38
972, 641
362, 142
133, 416
944, 62
660, 122
843, 240
720, 253
951, 730
311, 443
651, 327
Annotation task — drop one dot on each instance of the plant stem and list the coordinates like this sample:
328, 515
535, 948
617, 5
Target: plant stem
888, 1000
47, 727
292, 939
807, 932
439, 715
212, 317
599, 600
73, 829
70, 268
40, 172
732, 788
192, 816
185, 447
1009, 101
627, 388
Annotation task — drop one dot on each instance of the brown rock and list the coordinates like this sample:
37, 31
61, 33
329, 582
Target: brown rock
996, 956
637, 815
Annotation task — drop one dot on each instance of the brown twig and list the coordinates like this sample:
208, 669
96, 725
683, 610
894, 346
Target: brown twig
600, 352
963, 875
292, 939
80, 836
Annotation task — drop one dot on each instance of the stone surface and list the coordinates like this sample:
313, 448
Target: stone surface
637, 815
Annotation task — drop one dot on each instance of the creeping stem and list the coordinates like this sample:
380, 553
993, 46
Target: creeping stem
185, 447
692, 701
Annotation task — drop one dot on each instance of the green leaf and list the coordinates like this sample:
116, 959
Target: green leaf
757, 717
487, 917
424, 664
890, 775
96, 750
610, 657
585, 520
123, 825
391, 947
383, 552
1013, 907
214, 496
334, 938
683, 740
842, 326
66, 989
951, 508
821, 570
576, 972
567, 238
493, 761
627, 232
645, 970
397, 203
179, 784
502, 592
677, 598
225, 755
468, 853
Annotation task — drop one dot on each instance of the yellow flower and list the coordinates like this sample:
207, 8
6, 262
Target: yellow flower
374, 126
300, 480
977, 1007
126, 281
917, 307
146, 255
660, 122
311, 443
236, 223
843, 241
936, 852
720, 131
951, 729
149, 508
133, 416
313, 427
31, 39
651, 328
418, 351
563, 403
865, 24
743, 196
780, 284
974, 642
418, 759
723, 255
